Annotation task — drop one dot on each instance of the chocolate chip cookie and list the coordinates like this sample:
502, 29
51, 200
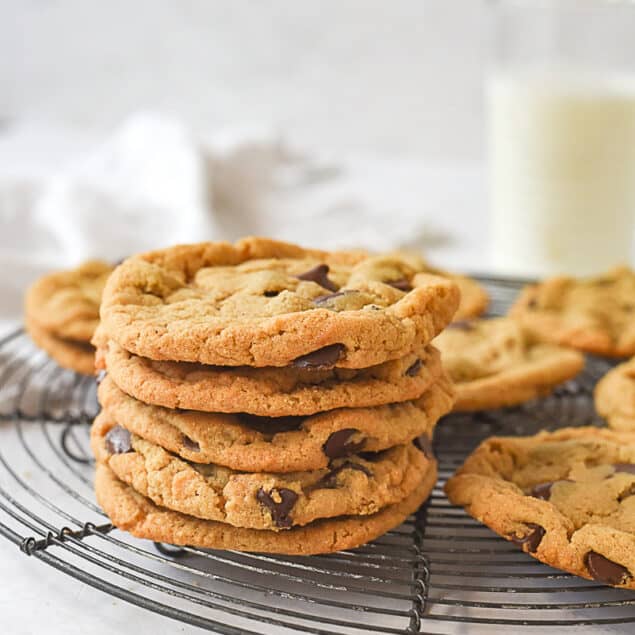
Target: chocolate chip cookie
474, 298
268, 392
615, 397
71, 354
132, 512
261, 302
566, 497
354, 485
287, 444
591, 314
62, 313
494, 363
65, 304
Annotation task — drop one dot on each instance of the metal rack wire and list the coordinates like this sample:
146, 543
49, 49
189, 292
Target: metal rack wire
440, 572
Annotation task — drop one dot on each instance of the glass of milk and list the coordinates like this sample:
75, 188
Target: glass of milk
561, 125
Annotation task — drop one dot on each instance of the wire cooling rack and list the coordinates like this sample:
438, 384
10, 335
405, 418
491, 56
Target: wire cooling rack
440, 572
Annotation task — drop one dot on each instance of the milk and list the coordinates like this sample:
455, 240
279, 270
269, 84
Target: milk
562, 160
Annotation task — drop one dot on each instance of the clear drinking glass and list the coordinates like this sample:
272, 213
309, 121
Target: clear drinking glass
561, 120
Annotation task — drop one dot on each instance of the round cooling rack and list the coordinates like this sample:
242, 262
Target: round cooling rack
440, 572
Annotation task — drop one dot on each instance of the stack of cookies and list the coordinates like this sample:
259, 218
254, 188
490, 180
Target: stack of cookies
62, 313
265, 397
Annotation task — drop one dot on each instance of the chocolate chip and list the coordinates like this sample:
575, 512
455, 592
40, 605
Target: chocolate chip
461, 325
339, 443
190, 444
413, 369
330, 480
329, 301
543, 490
424, 443
271, 294
403, 284
531, 539
118, 440
100, 376
604, 570
280, 502
322, 359
318, 275
625, 468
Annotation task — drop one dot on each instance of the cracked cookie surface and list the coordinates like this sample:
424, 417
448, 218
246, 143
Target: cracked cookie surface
494, 363
139, 516
353, 485
590, 314
287, 444
261, 302
273, 392
566, 497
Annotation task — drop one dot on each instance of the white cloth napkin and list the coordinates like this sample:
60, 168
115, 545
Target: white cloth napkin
66, 196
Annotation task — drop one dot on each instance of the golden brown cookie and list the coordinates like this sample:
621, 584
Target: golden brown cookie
474, 298
261, 302
355, 485
77, 356
65, 304
137, 515
290, 444
566, 497
590, 314
615, 397
494, 363
268, 392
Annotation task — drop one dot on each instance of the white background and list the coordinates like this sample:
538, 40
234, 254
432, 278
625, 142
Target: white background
398, 77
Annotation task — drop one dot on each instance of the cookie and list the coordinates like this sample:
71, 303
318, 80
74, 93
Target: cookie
65, 304
268, 392
566, 497
76, 356
494, 363
615, 397
474, 298
290, 444
354, 485
592, 314
137, 515
262, 303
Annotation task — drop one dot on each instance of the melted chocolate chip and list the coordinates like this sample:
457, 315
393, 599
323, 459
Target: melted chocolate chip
322, 359
330, 299
543, 490
604, 570
413, 370
403, 284
190, 444
531, 539
318, 275
100, 376
280, 502
424, 443
461, 325
330, 480
118, 440
339, 444
625, 468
